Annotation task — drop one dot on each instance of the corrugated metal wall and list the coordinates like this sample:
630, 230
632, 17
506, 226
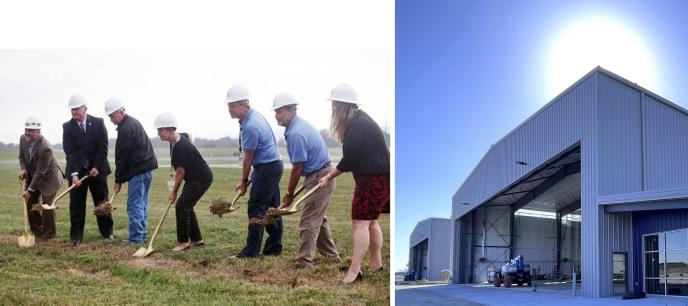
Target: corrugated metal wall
555, 128
435, 231
619, 132
666, 149
439, 248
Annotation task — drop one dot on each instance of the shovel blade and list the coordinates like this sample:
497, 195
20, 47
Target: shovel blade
26, 241
143, 252
48, 207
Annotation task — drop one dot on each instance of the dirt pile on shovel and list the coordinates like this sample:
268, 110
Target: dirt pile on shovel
220, 206
104, 208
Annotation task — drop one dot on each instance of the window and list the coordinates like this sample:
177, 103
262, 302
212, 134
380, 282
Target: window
665, 257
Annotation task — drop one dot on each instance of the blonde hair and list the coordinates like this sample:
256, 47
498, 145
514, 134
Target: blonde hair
341, 114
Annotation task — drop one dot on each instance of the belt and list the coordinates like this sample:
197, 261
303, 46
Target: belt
325, 166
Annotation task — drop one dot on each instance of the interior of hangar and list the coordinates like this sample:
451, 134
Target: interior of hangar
537, 218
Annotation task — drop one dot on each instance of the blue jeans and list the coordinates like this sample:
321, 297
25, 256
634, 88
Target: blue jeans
137, 206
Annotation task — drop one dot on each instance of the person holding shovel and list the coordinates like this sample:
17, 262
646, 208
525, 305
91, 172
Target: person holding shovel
309, 158
259, 146
85, 143
135, 161
365, 154
43, 177
189, 166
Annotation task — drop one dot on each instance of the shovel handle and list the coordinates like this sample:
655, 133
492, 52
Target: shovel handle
26, 212
295, 194
308, 194
68, 190
157, 229
112, 198
238, 195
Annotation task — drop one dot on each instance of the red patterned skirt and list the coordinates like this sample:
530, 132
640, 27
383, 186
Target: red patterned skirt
371, 196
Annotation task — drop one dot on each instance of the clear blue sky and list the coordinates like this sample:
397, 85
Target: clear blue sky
468, 72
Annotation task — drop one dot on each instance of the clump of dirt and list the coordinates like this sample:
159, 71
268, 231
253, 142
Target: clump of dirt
104, 208
256, 221
221, 206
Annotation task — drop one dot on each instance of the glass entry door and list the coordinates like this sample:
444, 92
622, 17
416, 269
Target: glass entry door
619, 273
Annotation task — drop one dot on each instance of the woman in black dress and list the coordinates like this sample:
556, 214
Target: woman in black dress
366, 156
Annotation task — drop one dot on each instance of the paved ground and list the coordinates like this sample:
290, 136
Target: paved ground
469, 295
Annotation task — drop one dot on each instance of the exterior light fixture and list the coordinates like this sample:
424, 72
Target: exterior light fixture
520, 162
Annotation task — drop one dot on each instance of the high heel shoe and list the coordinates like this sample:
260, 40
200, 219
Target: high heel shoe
379, 269
359, 277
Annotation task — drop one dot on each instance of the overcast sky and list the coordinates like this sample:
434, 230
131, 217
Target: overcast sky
186, 58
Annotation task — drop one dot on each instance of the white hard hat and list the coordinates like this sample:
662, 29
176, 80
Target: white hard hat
32, 123
283, 99
344, 93
113, 105
237, 93
76, 101
165, 120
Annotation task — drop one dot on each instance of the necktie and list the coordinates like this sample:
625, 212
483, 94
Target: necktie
81, 126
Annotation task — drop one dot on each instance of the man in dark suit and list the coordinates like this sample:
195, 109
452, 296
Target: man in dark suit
85, 143
43, 177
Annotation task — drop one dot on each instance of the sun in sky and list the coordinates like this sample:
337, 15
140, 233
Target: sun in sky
585, 44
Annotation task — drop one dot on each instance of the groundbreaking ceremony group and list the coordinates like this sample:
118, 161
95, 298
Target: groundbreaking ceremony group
85, 142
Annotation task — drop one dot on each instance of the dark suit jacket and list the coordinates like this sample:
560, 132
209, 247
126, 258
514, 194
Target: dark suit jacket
45, 174
91, 150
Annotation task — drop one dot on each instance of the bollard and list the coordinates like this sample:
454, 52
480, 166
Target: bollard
574, 284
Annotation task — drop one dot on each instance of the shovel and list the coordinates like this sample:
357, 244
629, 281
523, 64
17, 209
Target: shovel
102, 210
236, 197
52, 205
27, 240
143, 252
282, 211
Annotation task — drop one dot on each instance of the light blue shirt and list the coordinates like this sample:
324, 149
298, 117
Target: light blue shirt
257, 136
304, 144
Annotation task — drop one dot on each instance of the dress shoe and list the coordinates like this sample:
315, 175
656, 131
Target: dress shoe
359, 277
75, 243
181, 247
198, 243
111, 238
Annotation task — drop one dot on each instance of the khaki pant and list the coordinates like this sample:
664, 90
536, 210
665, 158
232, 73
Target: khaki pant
42, 223
315, 231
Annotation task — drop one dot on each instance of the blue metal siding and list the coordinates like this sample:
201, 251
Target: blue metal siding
647, 222
666, 151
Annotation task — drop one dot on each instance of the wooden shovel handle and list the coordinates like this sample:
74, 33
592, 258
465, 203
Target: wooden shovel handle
26, 212
157, 229
68, 190
295, 194
308, 194
238, 195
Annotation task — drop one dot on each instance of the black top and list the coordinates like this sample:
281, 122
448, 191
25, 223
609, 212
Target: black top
184, 154
85, 151
364, 150
133, 152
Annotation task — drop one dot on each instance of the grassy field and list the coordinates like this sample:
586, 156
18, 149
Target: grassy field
105, 272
